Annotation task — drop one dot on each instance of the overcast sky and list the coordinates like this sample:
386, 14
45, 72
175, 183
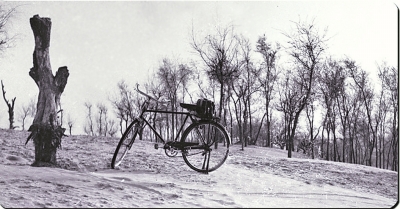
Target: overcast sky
102, 43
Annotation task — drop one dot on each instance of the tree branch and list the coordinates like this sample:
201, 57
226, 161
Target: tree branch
60, 79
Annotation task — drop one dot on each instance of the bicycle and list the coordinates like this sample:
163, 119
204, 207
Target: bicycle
204, 137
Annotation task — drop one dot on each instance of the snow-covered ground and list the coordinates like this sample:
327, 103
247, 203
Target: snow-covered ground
255, 177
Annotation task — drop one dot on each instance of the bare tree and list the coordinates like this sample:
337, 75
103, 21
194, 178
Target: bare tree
98, 122
249, 74
218, 52
10, 107
125, 104
32, 106
381, 121
172, 76
278, 132
359, 77
102, 119
26, 110
89, 126
389, 78
306, 47
6, 15
112, 128
289, 98
70, 123
206, 90
355, 111
24, 113
240, 90
344, 108
310, 113
46, 134
267, 78
331, 81
158, 120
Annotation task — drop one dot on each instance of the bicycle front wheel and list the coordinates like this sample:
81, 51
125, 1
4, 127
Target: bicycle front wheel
206, 146
125, 143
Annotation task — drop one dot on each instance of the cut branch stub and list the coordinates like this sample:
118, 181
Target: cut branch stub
41, 27
41, 70
60, 80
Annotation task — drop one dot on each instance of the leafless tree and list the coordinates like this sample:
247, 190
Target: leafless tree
306, 47
289, 97
238, 99
249, 74
267, 78
206, 89
10, 107
355, 112
344, 109
101, 119
310, 114
98, 122
381, 121
45, 131
70, 123
112, 128
126, 104
389, 77
330, 83
32, 106
360, 79
27, 110
218, 52
89, 126
6, 14
24, 113
173, 76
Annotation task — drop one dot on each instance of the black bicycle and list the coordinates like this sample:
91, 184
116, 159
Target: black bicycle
204, 143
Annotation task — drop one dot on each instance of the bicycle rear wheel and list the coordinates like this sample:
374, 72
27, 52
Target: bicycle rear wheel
125, 143
208, 146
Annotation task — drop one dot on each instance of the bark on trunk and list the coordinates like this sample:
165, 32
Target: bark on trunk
45, 131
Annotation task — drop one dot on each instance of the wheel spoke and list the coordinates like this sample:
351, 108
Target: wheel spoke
212, 137
125, 144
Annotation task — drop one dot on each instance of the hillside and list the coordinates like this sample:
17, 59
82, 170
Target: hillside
256, 177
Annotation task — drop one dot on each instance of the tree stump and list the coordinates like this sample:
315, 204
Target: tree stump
46, 133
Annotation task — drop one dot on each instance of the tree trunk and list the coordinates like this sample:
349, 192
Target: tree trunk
259, 129
268, 129
45, 131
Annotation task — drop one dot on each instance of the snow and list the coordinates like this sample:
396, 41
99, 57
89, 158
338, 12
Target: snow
255, 177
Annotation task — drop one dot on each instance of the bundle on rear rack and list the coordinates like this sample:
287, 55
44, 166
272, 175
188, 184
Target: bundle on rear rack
205, 108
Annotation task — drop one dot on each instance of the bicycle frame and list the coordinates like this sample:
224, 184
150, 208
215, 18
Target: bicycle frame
158, 135
145, 109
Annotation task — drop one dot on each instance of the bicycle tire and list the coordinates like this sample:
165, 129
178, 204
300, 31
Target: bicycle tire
212, 147
125, 143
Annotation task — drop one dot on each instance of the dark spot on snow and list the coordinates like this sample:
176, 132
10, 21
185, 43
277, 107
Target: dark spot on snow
13, 158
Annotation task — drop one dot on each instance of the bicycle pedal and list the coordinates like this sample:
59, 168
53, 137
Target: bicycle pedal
155, 146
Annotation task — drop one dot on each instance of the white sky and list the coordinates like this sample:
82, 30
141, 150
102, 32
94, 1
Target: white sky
102, 43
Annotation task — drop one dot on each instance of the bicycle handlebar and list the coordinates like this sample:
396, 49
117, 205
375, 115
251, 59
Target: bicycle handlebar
150, 97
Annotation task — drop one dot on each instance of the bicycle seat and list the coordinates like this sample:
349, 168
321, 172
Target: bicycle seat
190, 107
